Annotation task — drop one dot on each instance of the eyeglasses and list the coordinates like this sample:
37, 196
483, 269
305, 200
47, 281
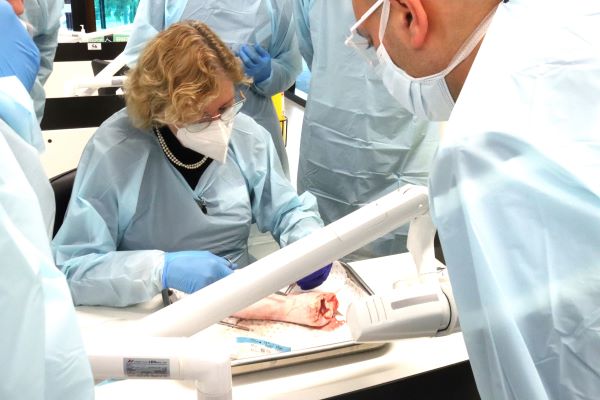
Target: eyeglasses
358, 42
226, 116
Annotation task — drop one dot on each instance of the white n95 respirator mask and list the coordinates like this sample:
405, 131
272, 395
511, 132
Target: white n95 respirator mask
211, 140
427, 97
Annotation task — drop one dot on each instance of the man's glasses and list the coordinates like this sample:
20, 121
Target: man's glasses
358, 42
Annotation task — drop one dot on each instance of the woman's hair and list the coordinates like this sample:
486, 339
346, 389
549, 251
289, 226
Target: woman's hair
177, 75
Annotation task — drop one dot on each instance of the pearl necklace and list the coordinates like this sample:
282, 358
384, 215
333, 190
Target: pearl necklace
172, 157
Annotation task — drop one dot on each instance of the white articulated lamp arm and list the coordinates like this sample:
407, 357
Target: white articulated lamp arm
269, 274
421, 235
105, 78
163, 358
421, 307
87, 86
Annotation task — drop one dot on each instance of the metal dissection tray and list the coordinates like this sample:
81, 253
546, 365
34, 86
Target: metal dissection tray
259, 345
271, 344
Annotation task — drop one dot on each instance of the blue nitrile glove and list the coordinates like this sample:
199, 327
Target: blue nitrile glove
190, 271
257, 62
19, 56
315, 279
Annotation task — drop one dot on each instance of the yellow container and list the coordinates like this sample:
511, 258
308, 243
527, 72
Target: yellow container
279, 108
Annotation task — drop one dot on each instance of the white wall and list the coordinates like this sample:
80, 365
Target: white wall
63, 149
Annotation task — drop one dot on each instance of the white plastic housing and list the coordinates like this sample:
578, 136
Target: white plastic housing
418, 310
163, 358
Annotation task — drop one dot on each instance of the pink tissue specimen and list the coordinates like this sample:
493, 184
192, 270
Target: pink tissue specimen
313, 309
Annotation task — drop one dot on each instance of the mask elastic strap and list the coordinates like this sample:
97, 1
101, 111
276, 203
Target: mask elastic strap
467, 47
366, 15
472, 41
385, 15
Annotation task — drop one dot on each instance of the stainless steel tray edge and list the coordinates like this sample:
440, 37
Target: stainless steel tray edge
262, 363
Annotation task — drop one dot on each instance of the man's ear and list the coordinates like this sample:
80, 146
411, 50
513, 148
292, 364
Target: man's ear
414, 20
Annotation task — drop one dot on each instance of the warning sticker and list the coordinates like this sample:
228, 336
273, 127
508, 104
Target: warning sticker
146, 367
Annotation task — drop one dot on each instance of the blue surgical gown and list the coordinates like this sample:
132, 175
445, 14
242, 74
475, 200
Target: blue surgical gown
357, 143
516, 199
40, 344
129, 204
44, 17
265, 22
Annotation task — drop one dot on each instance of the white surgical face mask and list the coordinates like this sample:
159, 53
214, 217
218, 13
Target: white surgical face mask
212, 141
427, 97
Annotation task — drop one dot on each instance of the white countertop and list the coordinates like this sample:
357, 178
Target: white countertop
311, 380
316, 379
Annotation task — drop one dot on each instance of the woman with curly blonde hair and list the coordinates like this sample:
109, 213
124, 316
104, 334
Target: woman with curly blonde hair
167, 188
261, 32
